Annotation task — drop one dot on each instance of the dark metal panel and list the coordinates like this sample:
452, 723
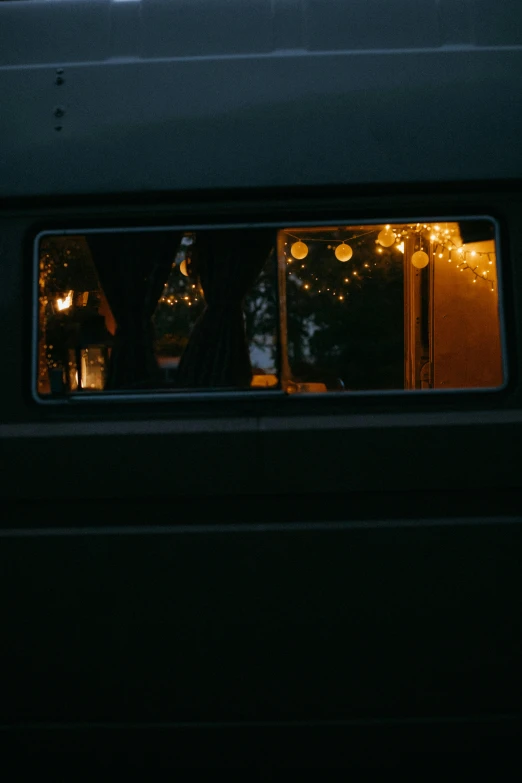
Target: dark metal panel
197, 124
312, 623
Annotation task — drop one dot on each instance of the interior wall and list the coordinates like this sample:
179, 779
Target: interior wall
466, 328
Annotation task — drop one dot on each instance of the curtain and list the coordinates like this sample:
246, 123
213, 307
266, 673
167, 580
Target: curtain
133, 268
227, 263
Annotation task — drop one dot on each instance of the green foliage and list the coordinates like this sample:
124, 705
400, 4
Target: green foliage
346, 328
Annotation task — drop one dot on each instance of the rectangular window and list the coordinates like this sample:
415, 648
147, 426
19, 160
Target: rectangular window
318, 308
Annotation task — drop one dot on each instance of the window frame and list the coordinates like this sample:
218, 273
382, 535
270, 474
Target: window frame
147, 397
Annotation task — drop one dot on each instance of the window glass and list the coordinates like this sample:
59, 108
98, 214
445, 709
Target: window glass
370, 307
392, 306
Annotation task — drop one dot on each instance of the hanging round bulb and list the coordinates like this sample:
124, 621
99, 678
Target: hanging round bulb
343, 252
183, 267
299, 250
420, 259
386, 237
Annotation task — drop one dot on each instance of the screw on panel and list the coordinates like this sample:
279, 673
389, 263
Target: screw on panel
59, 76
59, 111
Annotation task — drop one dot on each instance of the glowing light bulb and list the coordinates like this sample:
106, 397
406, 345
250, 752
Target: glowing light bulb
400, 247
386, 237
65, 303
420, 259
343, 252
183, 268
299, 250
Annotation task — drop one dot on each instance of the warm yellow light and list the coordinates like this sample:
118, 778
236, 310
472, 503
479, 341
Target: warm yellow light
93, 367
183, 267
473, 253
400, 247
386, 237
420, 259
63, 304
299, 250
306, 285
432, 237
341, 297
264, 380
343, 252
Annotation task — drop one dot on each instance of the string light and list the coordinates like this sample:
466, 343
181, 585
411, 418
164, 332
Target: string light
386, 237
343, 252
478, 276
420, 259
299, 250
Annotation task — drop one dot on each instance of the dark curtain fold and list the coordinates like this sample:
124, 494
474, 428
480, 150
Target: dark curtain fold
133, 268
227, 263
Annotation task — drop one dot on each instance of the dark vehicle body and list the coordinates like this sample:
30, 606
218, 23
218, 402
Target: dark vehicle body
259, 582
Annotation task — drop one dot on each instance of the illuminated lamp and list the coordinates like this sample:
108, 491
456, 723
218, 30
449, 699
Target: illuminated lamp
343, 252
420, 259
386, 237
88, 356
299, 250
